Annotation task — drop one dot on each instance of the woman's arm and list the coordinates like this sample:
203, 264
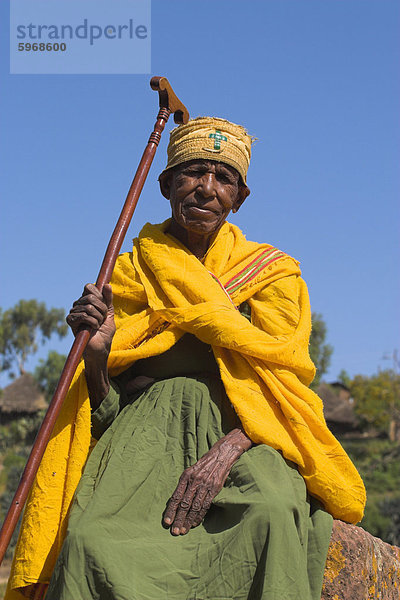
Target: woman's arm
95, 311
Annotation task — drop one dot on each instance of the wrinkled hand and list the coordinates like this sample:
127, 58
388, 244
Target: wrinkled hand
200, 483
94, 310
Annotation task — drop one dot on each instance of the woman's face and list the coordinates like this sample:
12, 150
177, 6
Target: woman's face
202, 194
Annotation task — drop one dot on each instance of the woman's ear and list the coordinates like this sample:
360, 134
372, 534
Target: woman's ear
165, 180
243, 192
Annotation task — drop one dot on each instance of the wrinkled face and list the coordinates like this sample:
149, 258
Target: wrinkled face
202, 194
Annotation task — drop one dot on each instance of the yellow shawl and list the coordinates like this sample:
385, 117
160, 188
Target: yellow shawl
161, 290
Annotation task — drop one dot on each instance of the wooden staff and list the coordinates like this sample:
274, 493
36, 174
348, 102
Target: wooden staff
169, 103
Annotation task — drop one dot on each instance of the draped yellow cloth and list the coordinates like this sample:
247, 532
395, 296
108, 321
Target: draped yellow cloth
161, 290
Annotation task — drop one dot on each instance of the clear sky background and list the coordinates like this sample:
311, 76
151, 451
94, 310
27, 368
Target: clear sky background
316, 81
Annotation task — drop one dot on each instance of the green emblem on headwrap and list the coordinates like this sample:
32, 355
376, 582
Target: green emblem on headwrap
217, 137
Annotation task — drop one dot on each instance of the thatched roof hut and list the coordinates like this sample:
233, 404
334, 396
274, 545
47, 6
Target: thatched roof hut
21, 397
338, 409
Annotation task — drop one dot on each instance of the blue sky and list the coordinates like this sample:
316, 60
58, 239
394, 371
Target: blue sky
316, 81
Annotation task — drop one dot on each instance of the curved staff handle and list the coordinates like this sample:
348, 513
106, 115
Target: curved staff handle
169, 103
169, 100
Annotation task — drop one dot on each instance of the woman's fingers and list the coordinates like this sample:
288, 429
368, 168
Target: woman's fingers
77, 320
91, 308
183, 508
87, 309
190, 501
90, 288
198, 486
88, 316
198, 510
174, 501
92, 300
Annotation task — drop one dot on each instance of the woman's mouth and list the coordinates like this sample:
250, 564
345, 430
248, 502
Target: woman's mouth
201, 210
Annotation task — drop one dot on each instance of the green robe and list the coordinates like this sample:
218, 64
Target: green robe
264, 537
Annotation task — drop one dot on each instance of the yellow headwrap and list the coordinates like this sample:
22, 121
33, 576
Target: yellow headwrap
211, 138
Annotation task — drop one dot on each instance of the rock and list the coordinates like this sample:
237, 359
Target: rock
360, 566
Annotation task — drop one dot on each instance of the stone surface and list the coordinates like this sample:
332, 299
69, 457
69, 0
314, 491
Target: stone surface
360, 566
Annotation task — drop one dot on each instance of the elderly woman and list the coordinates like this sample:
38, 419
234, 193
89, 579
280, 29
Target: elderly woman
214, 475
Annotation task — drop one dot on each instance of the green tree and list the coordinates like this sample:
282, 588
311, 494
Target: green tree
344, 378
320, 352
377, 401
23, 327
48, 372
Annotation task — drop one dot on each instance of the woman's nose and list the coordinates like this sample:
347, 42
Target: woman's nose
208, 185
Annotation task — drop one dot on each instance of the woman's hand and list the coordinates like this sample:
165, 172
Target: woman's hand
95, 311
200, 483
